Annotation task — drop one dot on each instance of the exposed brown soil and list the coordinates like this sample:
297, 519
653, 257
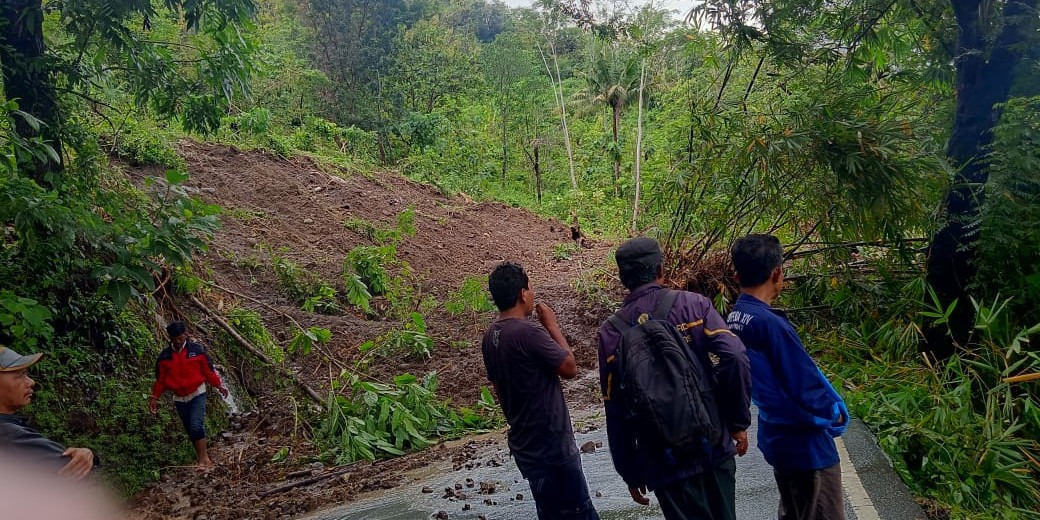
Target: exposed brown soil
296, 209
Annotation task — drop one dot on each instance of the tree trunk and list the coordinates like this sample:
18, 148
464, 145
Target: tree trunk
505, 143
981, 86
27, 79
537, 174
639, 147
555, 80
615, 113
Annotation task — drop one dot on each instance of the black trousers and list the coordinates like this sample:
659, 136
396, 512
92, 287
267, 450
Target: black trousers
561, 493
711, 495
810, 495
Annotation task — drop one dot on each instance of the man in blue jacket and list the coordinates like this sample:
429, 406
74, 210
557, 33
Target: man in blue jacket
701, 488
799, 413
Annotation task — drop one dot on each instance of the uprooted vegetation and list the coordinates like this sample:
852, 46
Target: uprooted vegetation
371, 292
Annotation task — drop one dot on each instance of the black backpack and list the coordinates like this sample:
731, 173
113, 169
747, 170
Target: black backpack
667, 389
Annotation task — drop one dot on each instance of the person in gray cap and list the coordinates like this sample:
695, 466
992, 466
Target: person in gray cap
696, 484
20, 441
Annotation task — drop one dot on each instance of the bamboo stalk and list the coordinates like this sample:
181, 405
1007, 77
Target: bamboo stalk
258, 353
1022, 377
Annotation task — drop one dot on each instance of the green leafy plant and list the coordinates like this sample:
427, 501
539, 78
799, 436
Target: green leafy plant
281, 455
365, 269
143, 142
357, 291
24, 320
471, 296
962, 433
305, 287
368, 263
304, 340
564, 251
381, 420
486, 415
251, 327
256, 121
411, 340
293, 279
323, 300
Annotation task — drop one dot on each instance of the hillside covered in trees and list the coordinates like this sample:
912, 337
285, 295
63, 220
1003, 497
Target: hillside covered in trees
321, 187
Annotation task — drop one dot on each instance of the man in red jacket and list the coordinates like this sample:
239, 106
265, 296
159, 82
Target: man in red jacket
184, 368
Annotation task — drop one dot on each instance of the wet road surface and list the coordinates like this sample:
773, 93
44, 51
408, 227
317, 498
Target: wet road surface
872, 489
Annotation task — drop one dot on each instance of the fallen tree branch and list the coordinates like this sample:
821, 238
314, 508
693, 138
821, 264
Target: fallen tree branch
794, 253
307, 481
258, 353
284, 314
809, 308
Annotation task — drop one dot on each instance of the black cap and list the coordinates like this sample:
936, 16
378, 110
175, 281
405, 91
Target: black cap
639, 252
176, 328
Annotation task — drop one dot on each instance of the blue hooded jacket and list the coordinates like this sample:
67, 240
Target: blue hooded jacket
799, 412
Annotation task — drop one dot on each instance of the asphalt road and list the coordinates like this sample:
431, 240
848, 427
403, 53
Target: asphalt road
873, 491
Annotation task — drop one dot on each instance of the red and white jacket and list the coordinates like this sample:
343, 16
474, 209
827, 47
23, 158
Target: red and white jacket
181, 372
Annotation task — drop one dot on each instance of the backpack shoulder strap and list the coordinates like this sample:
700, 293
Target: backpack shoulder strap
664, 304
618, 323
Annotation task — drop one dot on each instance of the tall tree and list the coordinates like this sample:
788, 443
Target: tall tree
552, 22
994, 38
505, 64
27, 78
353, 43
650, 24
432, 60
100, 43
612, 78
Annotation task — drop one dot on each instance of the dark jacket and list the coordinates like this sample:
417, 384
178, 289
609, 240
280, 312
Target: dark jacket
704, 331
182, 372
23, 442
799, 412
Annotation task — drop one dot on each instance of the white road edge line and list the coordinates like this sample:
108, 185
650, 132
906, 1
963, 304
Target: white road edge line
860, 501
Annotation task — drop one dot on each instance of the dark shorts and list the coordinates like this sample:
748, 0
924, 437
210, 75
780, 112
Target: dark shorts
810, 495
193, 417
560, 492
709, 495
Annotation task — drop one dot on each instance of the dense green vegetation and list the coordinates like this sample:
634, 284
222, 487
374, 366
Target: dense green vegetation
839, 126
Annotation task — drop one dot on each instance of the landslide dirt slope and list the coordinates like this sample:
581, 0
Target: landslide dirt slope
297, 210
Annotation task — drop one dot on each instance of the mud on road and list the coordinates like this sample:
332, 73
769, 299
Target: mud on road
297, 208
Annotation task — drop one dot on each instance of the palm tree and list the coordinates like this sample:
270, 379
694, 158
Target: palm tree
613, 79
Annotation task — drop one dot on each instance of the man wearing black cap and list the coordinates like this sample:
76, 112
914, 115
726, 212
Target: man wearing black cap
16, 437
184, 368
687, 487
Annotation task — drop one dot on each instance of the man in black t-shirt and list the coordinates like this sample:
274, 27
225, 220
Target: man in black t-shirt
524, 364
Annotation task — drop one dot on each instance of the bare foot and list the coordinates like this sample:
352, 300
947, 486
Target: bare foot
204, 465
